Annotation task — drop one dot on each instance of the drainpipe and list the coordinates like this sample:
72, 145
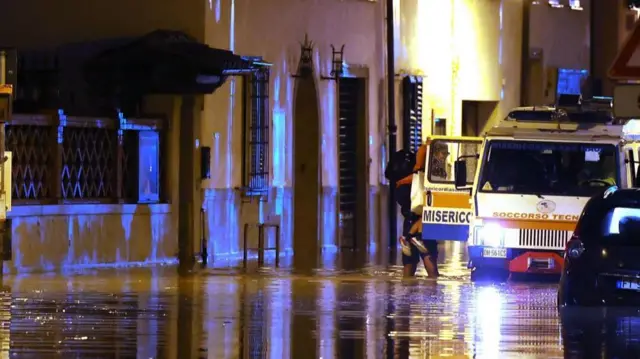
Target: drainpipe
391, 110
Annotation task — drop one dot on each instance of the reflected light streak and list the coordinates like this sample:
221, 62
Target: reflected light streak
147, 325
279, 123
229, 144
218, 10
329, 259
449, 326
288, 149
232, 100
383, 157
278, 321
329, 220
231, 332
371, 323
488, 308
227, 301
329, 139
279, 131
232, 27
5, 322
327, 322
217, 161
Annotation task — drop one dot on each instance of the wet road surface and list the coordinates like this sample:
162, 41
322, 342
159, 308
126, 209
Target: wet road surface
267, 313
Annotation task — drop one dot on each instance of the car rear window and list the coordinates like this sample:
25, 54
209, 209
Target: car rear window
622, 225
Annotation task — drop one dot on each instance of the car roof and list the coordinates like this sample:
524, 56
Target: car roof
616, 197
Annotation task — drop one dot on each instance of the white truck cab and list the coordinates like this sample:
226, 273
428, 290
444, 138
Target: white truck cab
536, 170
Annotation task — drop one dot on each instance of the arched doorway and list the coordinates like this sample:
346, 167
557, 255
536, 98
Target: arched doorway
306, 173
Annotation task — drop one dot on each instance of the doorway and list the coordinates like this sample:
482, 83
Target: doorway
535, 86
476, 116
306, 180
353, 157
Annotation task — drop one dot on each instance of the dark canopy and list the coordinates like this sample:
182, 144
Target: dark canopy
163, 62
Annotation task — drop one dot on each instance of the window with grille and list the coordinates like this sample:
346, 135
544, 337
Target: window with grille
140, 163
412, 113
255, 169
351, 152
350, 97
84, 159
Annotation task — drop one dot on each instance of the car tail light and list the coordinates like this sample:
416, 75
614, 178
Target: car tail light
574, 247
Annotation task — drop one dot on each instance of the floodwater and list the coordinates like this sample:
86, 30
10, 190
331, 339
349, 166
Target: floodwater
269, 313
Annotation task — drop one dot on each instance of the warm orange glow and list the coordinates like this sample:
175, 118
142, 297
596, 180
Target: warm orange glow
456, 45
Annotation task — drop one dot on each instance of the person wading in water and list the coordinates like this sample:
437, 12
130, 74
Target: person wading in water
413, 246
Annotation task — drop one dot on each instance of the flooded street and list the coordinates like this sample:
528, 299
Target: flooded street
361, 313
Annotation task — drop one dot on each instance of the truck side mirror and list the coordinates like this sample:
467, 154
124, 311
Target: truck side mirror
460, 173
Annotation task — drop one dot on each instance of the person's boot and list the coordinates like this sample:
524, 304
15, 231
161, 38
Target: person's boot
406, 247
416, 240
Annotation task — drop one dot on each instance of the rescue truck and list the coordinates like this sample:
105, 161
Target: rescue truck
520, 196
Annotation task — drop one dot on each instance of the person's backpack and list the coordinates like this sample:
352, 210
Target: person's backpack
400, 165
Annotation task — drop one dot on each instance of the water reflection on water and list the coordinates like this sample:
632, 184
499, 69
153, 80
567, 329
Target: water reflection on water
372, 313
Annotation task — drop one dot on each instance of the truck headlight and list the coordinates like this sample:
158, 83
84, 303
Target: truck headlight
491, 235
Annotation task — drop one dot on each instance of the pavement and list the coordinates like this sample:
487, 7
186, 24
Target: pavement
337, 311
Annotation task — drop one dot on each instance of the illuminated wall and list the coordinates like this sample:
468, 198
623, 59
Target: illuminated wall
610, 29
272, 30
48, 237
462, 48
562, 34
559, 37
249, 28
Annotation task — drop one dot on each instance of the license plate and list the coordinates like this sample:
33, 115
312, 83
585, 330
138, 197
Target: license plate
628, 284
494, 252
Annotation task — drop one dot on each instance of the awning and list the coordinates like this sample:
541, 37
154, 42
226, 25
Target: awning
164, 62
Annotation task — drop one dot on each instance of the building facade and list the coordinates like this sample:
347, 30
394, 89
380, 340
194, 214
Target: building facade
290, 146
559, 49
613, 25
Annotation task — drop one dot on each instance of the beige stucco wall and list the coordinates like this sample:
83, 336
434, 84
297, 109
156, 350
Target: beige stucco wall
561, 39
51, 237
461, 46
562, 34
248, 28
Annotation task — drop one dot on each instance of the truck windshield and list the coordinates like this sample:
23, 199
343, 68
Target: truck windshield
548, 168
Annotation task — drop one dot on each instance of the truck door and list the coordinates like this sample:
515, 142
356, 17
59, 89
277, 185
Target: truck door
447, 211
630, 161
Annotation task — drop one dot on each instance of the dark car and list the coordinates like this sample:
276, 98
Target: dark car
602, 258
